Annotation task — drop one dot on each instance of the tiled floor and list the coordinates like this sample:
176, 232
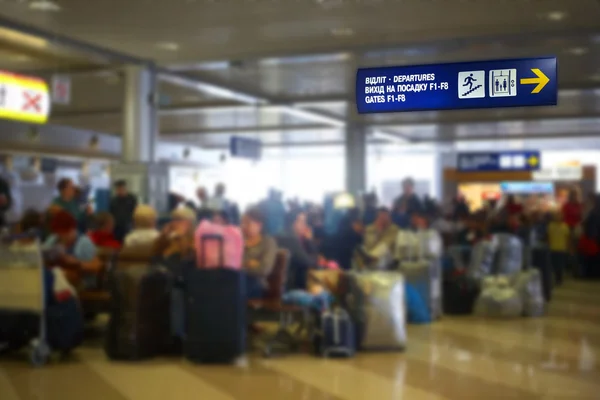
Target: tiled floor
553, 357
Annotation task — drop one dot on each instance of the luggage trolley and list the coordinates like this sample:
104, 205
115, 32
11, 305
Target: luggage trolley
22, 287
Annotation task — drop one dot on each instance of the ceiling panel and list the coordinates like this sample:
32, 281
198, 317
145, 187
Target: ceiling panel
305, 53
270, 138
191, 30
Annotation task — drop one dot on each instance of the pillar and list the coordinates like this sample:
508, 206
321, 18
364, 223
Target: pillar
140, 117
356, 159
145, 178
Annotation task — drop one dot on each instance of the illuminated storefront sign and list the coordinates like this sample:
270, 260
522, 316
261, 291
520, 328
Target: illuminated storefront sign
559, 173
23, 98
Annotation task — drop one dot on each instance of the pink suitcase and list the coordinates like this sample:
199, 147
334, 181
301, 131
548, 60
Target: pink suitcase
218, 246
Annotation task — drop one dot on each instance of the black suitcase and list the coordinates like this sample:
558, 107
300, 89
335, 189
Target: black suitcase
17, 329
215, 313
139, 325
459, 295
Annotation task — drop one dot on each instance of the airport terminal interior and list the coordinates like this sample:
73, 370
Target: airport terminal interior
299, 199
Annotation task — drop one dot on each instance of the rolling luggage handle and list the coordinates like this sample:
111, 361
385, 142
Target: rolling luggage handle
217, 238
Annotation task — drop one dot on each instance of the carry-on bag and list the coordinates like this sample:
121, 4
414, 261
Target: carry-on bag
139, 324
425, 275
215, 310
498, 299
375, 302
218, 246
459, 294
17, 329
335, 338
508, 259
215, 315
529, 286
482, 259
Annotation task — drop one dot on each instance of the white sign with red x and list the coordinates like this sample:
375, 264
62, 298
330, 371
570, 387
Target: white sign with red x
23, 98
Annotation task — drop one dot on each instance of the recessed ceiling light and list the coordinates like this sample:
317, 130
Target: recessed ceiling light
555, 16
168, 46
330, 3
578, 51
19, 58
342, 32
44, 5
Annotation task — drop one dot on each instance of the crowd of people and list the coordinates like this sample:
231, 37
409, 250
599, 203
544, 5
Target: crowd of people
314, 234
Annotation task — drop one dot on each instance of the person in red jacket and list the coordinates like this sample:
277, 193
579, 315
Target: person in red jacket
572, 210
102, 234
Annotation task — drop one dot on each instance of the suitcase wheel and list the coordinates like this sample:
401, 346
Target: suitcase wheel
40, 353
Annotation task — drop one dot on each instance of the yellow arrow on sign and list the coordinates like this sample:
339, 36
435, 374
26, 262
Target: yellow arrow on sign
541, 80
533, 161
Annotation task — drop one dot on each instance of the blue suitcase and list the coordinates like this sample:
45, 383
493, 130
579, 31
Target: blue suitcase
336, 338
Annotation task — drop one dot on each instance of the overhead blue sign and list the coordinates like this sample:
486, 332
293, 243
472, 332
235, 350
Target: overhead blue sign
245, 148
527, 187
499, 161
484, 84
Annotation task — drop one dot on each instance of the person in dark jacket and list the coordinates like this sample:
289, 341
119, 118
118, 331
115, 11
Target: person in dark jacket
589, 242
348, 238
5, 200
304, 254
122, 206
406, 204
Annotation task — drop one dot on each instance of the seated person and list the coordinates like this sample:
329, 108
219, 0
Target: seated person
426, 242
220, 217
144, 227
259, 253
102, 233
75, 252
177, 237
316, 296
32, 222
304, 254
379, 239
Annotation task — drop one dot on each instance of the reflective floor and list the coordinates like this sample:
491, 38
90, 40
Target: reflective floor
554, 357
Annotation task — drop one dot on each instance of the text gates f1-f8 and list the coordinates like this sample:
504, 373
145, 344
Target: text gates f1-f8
485, 84
499, 161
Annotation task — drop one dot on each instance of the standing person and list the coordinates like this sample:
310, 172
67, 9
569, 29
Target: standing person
370, 208
219, 202
203, 211
67, 201
572, 212
558, 241
589, 243
5, 200
122, 207
274, 211
406, 204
